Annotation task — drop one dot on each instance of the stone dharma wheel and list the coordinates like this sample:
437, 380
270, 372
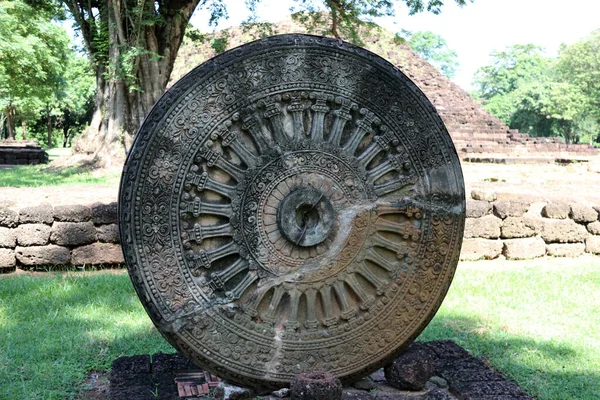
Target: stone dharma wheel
293, 204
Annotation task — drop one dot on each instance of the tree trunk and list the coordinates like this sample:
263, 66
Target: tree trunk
10, 122
121, 102
49, 125
24, 129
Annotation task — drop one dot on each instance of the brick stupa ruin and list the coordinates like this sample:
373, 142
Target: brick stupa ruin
478, 136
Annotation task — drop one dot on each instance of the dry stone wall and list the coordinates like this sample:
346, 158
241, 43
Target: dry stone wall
74, 235
42, 236
519, 229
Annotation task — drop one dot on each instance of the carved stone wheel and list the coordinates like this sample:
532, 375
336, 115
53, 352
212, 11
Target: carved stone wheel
294, 204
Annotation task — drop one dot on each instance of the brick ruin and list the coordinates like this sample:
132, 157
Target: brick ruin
22, 152
477, 135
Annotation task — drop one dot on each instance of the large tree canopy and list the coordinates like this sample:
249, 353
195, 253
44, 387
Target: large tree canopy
541, 95
133, 45
33, 57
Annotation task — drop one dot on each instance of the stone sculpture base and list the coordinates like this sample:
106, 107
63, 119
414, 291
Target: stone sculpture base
459, 376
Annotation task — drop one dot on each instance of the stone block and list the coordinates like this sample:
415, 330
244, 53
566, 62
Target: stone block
98, 253
43, 255
108, 233
32, 234
592, 244
483, 195
487, 227
565, 249
594, 228
520, 227
510, 208
7, 238
582, 213
413, 367
476, 249
556, 210
42, 214
8, 217
72, 213
563, 231
73, 233
7, 259
103, 214
478, 208
521, 249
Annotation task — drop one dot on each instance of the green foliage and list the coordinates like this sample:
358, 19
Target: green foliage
579, 64
533, 93
434, 49
33, 55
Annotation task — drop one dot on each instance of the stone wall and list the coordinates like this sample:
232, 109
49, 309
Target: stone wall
42, 236
519, 229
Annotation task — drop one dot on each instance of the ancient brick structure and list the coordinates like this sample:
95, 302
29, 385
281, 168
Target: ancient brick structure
21, 152
477, 135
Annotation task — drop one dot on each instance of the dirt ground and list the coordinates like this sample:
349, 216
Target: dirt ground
540, 182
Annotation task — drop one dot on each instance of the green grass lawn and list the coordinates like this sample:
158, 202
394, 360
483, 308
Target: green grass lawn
536, 321
40, 175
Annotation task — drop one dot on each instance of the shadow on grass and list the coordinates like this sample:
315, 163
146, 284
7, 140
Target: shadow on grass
53, 330
544, 369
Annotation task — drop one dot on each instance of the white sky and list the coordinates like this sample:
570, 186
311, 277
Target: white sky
473, 31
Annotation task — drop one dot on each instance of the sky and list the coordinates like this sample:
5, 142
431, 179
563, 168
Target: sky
473, 31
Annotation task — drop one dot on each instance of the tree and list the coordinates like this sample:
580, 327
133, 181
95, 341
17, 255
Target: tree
33, 54
579, 64
133, 45
434, 49
514, 85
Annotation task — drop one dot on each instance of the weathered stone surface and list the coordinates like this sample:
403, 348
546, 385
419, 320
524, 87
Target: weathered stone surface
563, 231
594, 228
583, 213
365, 384
281, 393
7, 259
483, 195
556, 210
42, 214
72, 213
97, 253
565, 249
8, 217
103, 214
43, 255
315, 385
32, 234
227, 391
478, 208
230, 210
413, 368
592, 244
7, 237
487, 227
520, 227
477, 248
108, 233
521, 249
73, 233
510, 208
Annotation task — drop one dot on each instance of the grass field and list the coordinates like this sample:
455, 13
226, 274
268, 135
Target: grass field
536, 321
40, 175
